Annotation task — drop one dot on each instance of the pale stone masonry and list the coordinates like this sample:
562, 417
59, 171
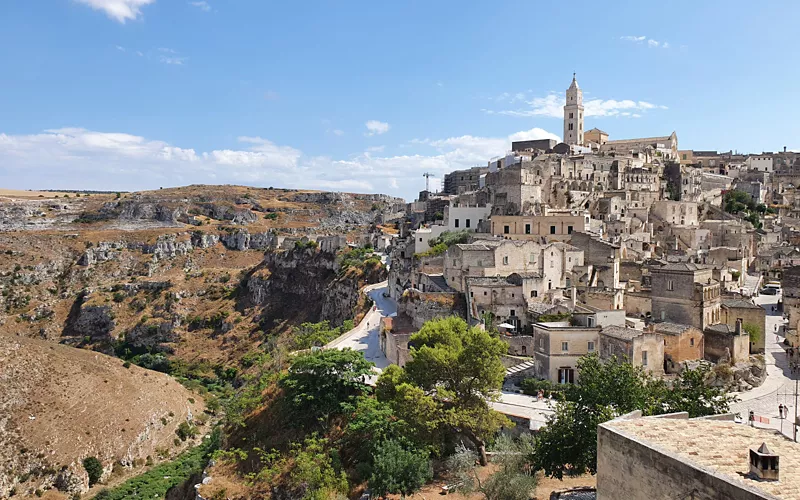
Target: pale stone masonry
673, 457
685, 293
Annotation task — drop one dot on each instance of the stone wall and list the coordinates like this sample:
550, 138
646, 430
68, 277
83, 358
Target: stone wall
638, 303
422, 307
718, 345
395, 347
628, 468
519, 345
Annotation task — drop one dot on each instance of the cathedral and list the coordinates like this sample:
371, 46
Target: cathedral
597, 140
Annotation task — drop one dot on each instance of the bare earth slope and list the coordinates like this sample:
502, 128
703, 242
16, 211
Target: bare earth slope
59, 405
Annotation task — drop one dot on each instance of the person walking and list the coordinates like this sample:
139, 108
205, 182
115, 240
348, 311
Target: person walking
780, 410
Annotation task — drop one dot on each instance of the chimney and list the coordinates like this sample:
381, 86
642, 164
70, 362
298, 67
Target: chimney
784, 149
738, 326
763, 464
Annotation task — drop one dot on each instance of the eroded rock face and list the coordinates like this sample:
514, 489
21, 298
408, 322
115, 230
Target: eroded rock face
96, 322
241, 239
204, 240
103, 252
153, 336
737, 378
167, 247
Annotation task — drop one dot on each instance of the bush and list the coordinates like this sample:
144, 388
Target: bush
186, 431
398, 469
119, 296
532, 386
94, 469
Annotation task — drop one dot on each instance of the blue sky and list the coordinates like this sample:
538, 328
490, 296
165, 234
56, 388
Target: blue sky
366, 96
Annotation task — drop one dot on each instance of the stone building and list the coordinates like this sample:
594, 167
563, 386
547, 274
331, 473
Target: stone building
744, 311
681, 343
555, 227
557, 348
723, 342
595, 136
685, 293
665, 147
684, 213
640, 348
790, 284
502, 297
674, 457
463, 181
552, 262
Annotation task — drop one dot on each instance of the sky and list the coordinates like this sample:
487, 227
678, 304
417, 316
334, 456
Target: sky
366, 96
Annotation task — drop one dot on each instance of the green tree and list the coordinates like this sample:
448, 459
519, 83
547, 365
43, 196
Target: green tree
515, 478
399, 469
94, 469
454, 370
753, 331
371, 422
567, 445
314, 470
318, 383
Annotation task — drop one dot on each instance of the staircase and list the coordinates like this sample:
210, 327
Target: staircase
516, 369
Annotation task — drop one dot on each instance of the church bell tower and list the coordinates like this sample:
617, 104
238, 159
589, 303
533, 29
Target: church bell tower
573, 115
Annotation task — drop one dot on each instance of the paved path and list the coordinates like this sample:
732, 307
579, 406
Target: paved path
779, 386
365, 337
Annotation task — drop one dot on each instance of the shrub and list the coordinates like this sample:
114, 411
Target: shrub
119, 296
94, 469
185, 431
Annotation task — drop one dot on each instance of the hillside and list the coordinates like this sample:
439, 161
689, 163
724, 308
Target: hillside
60, 405
194, 282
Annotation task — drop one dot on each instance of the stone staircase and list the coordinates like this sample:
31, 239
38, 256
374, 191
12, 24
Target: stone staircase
517, 369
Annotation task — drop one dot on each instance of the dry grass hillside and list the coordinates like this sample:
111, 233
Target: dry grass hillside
59, 405
191, 282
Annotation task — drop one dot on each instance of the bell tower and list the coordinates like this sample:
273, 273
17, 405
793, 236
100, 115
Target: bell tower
573, 115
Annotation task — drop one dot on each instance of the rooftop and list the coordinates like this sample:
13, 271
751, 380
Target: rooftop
620, 332
738, 303
720, 328
719, 448
671, 328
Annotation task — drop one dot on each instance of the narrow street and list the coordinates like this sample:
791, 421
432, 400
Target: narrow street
779, 387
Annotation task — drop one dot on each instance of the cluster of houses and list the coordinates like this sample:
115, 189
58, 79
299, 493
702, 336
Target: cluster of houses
590, 245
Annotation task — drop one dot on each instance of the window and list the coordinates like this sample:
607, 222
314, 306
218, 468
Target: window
466, 223
670, 285
484, 293
551, 264
644, 358
552, 229
527, 229
565, 346
534, 293
513, 312
505, 260
512, 295
590, 347
570, 115
569, 229
590, 322
456, 222
570, 126
691, 341
566, 376
420, 239
524, 350
506, 229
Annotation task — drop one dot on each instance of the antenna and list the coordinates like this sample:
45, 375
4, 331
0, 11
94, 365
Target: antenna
427, 181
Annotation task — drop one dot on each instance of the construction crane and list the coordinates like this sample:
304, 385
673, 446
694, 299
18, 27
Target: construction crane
427, 181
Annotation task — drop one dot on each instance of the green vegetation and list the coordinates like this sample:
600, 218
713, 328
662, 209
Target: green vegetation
739, 202
753, 331
271, 216
302, 245
568, 444
398, 469
359, 258
94, 469
308, 335
318, 385
514, 480
547, 318
441, 243
532, 386
444, 388
155, 482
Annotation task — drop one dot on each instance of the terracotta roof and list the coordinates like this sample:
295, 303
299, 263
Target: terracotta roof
721, 448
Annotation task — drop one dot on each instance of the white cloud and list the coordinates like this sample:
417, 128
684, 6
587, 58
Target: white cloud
79, 158
376, 149
651, 43
337, 132
118, 10
552, 106
120, 48
204, 6
376, 127
171, 56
